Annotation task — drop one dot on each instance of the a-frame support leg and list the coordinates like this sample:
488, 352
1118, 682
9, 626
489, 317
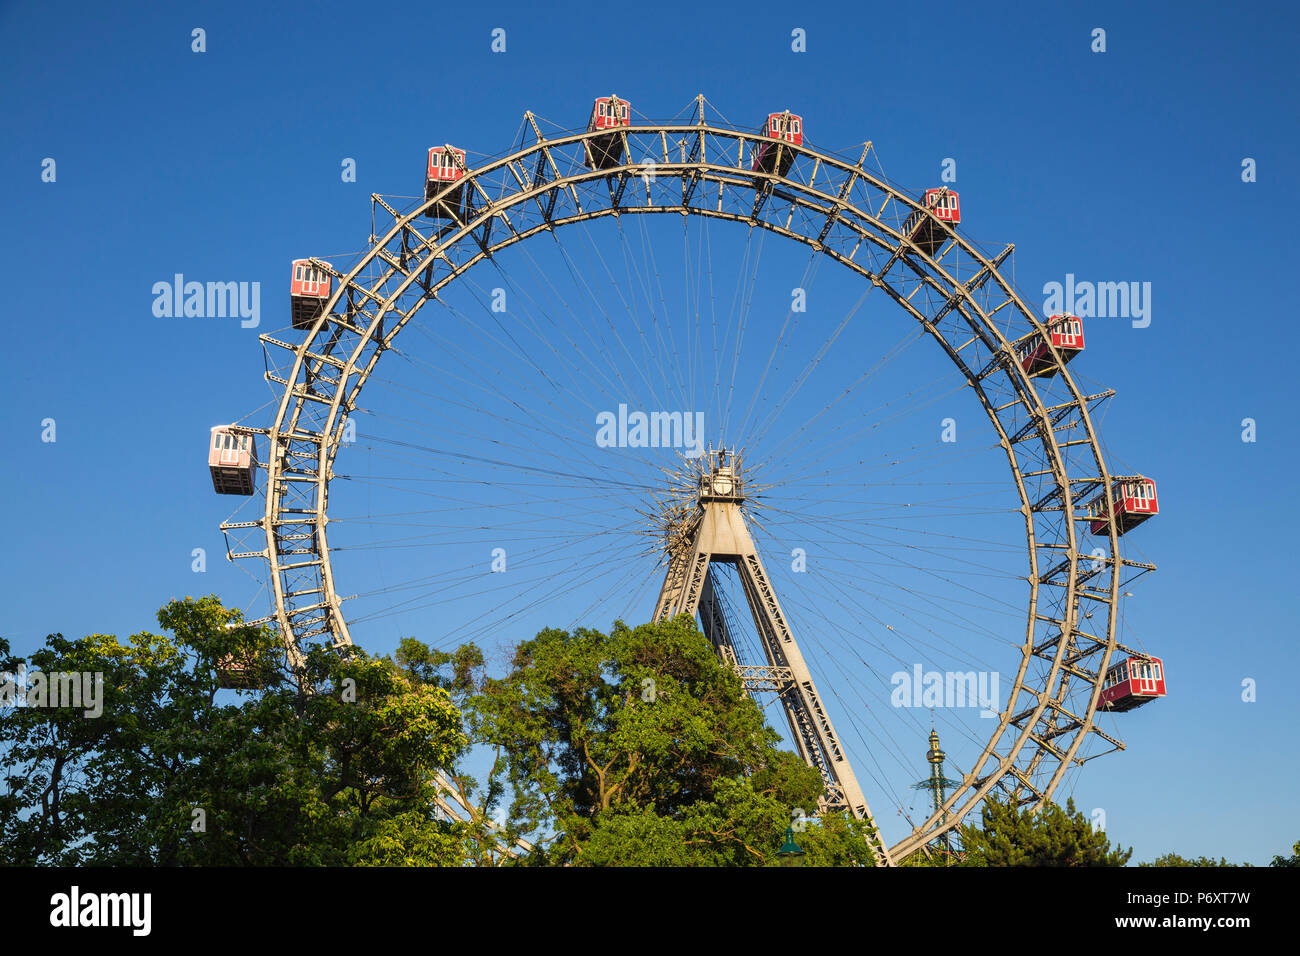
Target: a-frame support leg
721, 536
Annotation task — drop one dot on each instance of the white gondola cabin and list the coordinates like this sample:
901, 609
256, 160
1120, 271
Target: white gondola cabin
446, 167
1131, 498
608, 113
1065, 332
1131, 683
941, 205
309, 290
776, 157
232, 459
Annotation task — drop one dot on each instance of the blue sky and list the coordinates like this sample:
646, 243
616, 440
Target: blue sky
1116, 166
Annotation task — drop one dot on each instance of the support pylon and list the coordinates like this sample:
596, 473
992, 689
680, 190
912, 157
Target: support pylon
716, 533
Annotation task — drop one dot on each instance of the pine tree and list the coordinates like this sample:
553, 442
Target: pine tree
1052, 836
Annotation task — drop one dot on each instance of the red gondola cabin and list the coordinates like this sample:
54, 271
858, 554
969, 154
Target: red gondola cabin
309, 290
232, 459
924, 228
235, 674
446, 167
1134, 500
608, 113
1131, 683
239, 670
1064, 331
776, 157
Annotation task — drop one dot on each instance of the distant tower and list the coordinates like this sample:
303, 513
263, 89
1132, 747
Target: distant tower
938, 786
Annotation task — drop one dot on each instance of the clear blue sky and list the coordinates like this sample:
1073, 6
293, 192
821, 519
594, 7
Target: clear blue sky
1123, 165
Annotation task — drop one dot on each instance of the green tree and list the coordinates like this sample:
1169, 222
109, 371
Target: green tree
1052, 836
1173, 859
169, 775
640, 748
1292, 860
936, 857
633, 748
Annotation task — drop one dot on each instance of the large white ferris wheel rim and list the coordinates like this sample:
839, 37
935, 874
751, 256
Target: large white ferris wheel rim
319, 354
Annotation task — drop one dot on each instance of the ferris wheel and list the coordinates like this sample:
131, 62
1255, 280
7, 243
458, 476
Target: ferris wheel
621, 389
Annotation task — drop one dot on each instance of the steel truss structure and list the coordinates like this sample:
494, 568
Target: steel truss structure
716, 533
700, 167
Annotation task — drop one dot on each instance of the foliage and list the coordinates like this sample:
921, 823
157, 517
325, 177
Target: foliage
1292, 860
1173, 859
168, 775
638, 748
936, 858
1052, 836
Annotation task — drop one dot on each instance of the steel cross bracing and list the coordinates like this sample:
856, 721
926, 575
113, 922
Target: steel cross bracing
720, 535
455, 805
959, 297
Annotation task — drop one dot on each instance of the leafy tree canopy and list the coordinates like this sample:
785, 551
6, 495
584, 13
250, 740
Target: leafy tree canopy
1292, 860
637, 748
633, 748
1174, 859
167, 775
1052, 836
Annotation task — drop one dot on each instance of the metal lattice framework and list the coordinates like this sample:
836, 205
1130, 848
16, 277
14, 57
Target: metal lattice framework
700, 167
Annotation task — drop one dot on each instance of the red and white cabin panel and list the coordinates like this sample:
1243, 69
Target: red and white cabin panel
1131, 683
1133, 499
921, 227
310, 280
944, 204
609, 112
234, 674
309, 288
232, 459
446, 164
785, 126
1065, 332
443, 173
